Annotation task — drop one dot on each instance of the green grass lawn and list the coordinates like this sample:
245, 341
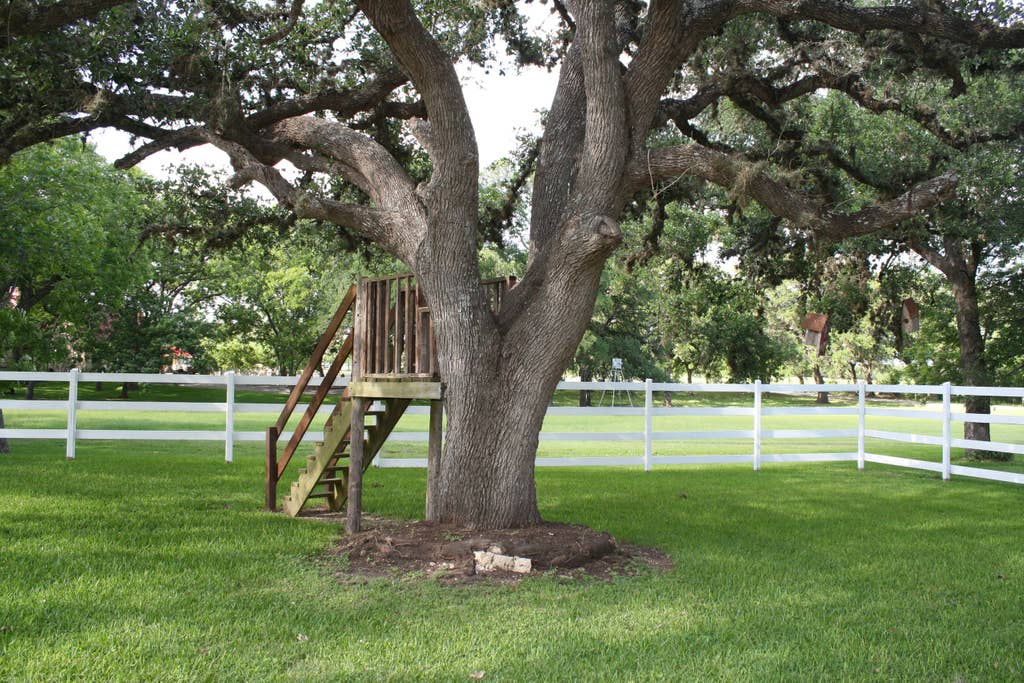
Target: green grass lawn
152, 560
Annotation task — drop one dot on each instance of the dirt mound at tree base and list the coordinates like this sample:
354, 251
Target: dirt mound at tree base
389, 547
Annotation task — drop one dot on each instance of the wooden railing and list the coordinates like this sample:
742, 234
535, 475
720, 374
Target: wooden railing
275, 466
395, 331
395, 334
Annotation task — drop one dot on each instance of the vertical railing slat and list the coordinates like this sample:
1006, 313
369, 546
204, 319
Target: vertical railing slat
410, 343
396, 364
648, 423
757, 425
382, 330
947, 432
229, 417
861, 412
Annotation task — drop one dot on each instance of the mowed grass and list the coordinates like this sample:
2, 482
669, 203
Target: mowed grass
153, 561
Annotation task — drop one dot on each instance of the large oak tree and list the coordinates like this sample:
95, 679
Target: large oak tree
321, 87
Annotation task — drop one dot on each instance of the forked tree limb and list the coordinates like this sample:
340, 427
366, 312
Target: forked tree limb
649, 72
382, 226
560, 148
344, 103
456, 161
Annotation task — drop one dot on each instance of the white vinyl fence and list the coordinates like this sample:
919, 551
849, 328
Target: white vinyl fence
756, 412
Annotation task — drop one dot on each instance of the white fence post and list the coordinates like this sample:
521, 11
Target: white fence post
229, 420
69, 452
648, 423
946, 430
861, 411
757, 425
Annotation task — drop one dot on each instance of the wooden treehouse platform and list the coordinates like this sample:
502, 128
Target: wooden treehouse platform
389, 339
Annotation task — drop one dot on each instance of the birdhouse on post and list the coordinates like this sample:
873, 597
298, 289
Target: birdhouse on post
815, 327
910, 319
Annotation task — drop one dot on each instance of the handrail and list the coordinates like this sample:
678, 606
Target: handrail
274, 468
314, 405
314, 362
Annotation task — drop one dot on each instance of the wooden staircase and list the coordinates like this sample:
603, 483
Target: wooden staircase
328, 466
327, 471
394, 361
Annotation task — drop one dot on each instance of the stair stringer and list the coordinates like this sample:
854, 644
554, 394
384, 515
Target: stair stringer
377, 434
325, 453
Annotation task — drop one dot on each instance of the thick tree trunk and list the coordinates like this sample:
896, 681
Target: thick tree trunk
585, 399
30, 391
4, 446
486, 472
498, 384
820, 379
972, 361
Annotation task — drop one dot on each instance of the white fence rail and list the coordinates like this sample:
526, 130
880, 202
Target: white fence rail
648, 436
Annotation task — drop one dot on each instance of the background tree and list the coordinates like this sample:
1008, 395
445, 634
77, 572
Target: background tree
622, 326
1003, 319
68, 245
244, 77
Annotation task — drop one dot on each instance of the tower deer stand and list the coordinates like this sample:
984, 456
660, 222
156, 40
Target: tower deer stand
390, 340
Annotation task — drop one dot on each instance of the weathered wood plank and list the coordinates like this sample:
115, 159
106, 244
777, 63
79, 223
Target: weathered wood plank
433, 457
354, 512
382, 327
410, 339
412, 390
271, 476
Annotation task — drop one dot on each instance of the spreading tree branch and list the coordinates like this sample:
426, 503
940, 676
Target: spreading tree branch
751, 180
33, 18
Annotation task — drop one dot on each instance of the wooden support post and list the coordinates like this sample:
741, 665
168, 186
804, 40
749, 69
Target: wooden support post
358, 333
357, 441
433, 456
5, 448
271, 480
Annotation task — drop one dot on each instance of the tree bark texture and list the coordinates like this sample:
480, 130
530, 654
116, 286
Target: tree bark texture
819, 379
958, 261
972, 363
498, 381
